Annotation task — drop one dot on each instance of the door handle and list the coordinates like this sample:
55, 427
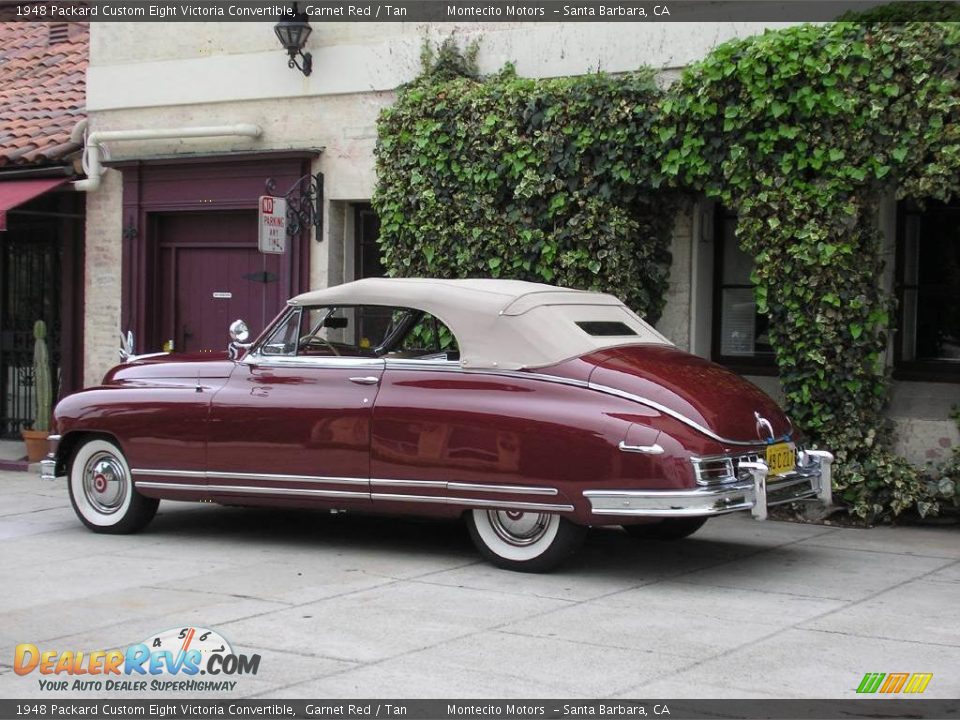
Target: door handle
368, 380
655, 449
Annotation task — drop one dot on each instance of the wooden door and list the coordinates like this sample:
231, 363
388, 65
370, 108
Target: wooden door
210, 274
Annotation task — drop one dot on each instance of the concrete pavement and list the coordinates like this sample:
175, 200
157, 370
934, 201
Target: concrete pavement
353, 606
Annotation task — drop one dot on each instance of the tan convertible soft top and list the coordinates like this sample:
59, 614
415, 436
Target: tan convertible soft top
507, 324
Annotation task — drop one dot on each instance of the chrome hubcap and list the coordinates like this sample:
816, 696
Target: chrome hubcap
104, 483
518, 528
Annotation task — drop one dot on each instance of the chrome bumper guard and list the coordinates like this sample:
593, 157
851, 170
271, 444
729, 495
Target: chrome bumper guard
810, 479
48, 466
48, 469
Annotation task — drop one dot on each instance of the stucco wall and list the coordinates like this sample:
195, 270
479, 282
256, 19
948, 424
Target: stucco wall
675, 321
187, 74
344, 126
156, 75
102, 281
157, 64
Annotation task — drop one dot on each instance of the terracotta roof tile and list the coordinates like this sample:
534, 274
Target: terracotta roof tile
42, 91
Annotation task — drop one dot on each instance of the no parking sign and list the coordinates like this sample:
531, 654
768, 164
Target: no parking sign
273, 225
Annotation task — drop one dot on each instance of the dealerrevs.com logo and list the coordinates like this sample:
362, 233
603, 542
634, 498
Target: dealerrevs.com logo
169, 661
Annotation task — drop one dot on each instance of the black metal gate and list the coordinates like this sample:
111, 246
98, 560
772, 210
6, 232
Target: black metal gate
30, 290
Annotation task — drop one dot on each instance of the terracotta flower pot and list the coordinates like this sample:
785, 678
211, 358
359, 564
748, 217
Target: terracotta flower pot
36, 442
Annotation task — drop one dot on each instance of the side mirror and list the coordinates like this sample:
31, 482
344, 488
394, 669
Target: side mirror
239, 334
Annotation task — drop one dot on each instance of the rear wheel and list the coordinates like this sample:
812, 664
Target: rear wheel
666, 529
525, 541
102, 491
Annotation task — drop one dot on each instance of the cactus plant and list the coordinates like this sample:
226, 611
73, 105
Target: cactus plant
41, 375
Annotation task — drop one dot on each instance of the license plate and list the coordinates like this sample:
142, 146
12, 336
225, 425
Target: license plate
781, 458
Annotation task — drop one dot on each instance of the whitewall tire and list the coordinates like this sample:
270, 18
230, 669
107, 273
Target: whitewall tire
526, 541
102, 491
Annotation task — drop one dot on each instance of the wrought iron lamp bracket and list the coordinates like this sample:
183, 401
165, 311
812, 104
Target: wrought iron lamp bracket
304, 204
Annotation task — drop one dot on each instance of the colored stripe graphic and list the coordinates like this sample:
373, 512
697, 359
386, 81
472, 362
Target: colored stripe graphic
870, 682
894, 682
918, 682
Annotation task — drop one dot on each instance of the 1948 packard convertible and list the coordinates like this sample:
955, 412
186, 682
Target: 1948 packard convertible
531, 410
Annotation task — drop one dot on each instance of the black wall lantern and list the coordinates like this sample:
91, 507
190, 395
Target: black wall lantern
292, 32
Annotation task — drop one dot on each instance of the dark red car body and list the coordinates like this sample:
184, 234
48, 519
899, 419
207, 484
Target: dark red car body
632, 432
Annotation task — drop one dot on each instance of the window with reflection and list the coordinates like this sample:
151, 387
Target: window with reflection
740, 334
927, 345
360, 331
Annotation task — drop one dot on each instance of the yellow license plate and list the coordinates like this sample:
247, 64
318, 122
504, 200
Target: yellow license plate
781, 458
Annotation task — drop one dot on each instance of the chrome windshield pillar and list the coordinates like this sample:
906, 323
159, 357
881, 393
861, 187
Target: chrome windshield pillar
758, 473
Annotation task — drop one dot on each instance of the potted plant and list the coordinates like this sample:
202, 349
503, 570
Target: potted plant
36, 439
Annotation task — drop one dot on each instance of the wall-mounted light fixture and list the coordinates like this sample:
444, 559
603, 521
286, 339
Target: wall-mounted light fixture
292, 32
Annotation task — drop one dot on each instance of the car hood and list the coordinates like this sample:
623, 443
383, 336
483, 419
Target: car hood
700, 391
158, 366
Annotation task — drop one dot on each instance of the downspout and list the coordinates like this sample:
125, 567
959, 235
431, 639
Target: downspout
91, 153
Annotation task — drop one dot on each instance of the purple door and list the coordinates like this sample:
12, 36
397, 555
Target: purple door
211, 273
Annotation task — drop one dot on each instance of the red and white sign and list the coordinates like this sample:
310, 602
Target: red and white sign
273, 225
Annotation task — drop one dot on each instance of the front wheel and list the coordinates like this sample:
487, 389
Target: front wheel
666, 529
102, 491
525, 541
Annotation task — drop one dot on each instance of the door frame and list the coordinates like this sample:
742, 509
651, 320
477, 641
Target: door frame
197, 184
170, 312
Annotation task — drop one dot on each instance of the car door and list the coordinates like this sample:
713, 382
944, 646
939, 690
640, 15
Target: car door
292, 424
445, 438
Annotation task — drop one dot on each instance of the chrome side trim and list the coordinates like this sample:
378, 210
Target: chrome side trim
678, 416
466, 487
303, 492
241, 489
343, 363
380, 482
509, 489
474, 502
218, 475
418, 364
171, 486
200, 474
455, 367
654, 449
375, 482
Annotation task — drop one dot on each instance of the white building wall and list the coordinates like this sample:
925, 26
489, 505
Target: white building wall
153, 75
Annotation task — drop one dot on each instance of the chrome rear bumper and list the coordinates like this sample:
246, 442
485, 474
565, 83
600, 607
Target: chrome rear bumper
811, 479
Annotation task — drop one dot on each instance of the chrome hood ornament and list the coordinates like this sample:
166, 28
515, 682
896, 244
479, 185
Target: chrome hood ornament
763, 425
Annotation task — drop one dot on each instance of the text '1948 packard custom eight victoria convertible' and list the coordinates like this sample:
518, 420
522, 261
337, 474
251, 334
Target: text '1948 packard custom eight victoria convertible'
531, 410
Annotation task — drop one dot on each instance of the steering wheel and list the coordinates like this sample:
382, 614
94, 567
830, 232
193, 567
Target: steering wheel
316, 339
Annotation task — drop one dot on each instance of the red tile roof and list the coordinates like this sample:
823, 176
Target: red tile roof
42, 91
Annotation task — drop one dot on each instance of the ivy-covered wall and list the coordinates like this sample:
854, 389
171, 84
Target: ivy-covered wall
801, 131
544, 180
